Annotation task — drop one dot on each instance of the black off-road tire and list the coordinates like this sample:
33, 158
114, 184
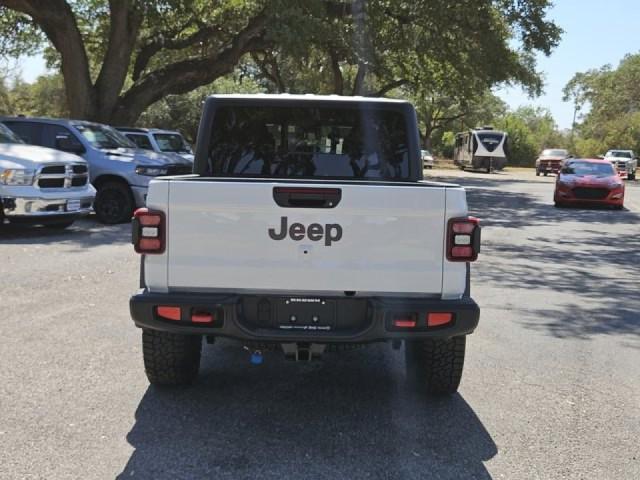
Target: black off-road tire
435, 365
113, 203
171, 358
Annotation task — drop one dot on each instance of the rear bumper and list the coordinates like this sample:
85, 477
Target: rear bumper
232, 320
552, 167
495, 163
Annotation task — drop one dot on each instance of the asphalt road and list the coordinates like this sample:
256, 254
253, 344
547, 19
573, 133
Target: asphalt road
551, 387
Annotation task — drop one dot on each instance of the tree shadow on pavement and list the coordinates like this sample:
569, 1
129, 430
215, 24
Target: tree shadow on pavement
576, 321
563, 251
514, 210
348, 416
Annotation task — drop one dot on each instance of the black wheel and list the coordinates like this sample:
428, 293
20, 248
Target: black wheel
171, 358
546, 173
113, 203
60, 225
488, 169
435, 365
537, 173
631, 176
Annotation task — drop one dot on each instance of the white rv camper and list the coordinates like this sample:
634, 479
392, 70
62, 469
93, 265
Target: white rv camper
481, 149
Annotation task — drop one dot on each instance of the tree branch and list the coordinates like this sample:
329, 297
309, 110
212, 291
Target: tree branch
184, 76
388, 87
125, 21
273, 74
58, 23
444, 121
166, 40
338, 79
358, 82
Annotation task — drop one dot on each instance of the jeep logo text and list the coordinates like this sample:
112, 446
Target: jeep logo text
331, 232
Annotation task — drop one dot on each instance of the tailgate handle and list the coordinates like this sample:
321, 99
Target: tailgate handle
302, 197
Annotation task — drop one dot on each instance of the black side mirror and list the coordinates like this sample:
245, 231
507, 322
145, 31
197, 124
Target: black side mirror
68, 144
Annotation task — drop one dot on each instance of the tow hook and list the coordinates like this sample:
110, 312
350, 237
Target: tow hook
303, 352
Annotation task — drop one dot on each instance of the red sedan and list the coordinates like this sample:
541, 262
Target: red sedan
585, 182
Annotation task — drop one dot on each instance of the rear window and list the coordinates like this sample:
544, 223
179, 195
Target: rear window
554, 153
490, 140
309, 142
589, 168
618, 153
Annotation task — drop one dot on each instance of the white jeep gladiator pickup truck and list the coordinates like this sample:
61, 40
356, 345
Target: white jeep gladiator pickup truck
306, 227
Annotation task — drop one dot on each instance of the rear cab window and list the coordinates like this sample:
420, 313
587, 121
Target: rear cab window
491, 140
312, 140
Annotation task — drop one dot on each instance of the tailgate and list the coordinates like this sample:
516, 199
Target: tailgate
241, 235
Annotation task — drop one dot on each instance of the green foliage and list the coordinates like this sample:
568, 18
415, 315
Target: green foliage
612, 100
444, 55
449, 117
43, 98
521, 141
446, 144
18, 35
530, 129
182, 112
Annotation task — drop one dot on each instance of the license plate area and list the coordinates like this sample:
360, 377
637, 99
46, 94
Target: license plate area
73, 205
303, 314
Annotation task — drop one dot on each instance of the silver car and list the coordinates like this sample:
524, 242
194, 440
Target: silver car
427, 159
120, 171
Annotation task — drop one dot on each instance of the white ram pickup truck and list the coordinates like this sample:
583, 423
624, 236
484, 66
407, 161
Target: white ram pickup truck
40, 185
307, 227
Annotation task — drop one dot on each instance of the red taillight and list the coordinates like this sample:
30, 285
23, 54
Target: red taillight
169, 313
404, 323
463, 239
202, 317
148, 231
438, 319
